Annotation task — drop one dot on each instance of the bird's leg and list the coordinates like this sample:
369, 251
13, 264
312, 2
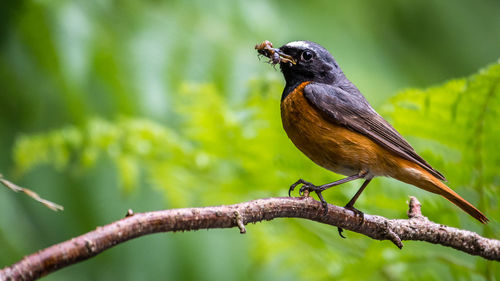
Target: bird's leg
320, 188
350, 204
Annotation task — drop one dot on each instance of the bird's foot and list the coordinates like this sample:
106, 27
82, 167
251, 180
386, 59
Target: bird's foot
308, 187
301, 191
356, 213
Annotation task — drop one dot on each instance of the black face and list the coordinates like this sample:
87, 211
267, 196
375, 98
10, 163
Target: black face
312, 63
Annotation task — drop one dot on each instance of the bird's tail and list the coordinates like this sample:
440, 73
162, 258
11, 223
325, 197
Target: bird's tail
415, 175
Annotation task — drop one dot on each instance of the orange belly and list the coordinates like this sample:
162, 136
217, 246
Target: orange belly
332, 146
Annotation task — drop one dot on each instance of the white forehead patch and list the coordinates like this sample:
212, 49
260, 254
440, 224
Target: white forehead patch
299, 44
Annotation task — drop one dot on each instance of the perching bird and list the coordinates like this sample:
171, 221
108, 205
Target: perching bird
331, 122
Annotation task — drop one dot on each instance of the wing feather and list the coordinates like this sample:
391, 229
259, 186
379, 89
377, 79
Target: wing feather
351, 109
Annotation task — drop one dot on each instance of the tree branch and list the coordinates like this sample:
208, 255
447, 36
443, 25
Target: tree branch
417, 227
16, 188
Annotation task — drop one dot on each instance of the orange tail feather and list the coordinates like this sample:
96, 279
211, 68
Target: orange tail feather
456, 199
415, 175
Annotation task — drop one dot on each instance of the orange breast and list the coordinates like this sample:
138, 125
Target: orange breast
329, 145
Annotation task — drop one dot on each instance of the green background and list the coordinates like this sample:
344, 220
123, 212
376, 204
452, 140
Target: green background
110, 105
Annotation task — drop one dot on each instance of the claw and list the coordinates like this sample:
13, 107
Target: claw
340, 232
292, 187
305, 185
357, 213
302, 189
323, 202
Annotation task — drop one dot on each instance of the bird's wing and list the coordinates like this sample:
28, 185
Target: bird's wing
353, 111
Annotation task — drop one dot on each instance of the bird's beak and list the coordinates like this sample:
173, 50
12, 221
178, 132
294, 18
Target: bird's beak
284, 57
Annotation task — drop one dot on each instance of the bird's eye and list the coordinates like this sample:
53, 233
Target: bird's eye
307, 55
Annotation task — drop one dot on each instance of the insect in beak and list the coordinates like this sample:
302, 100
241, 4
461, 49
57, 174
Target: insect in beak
275, 55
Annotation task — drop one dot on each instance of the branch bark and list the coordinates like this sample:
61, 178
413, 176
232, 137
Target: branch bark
417, 227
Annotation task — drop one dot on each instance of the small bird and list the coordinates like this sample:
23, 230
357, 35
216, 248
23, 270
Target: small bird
331, 122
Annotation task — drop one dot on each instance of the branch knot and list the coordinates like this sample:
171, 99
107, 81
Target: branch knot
391, 235
239, 222
414, 209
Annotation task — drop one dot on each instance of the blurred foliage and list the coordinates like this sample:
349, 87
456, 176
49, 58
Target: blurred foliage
109, 105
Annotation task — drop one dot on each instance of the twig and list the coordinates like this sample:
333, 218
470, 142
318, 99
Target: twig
51, 205
237, 215
414, 210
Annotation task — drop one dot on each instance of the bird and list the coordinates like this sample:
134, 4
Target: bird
329, 120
